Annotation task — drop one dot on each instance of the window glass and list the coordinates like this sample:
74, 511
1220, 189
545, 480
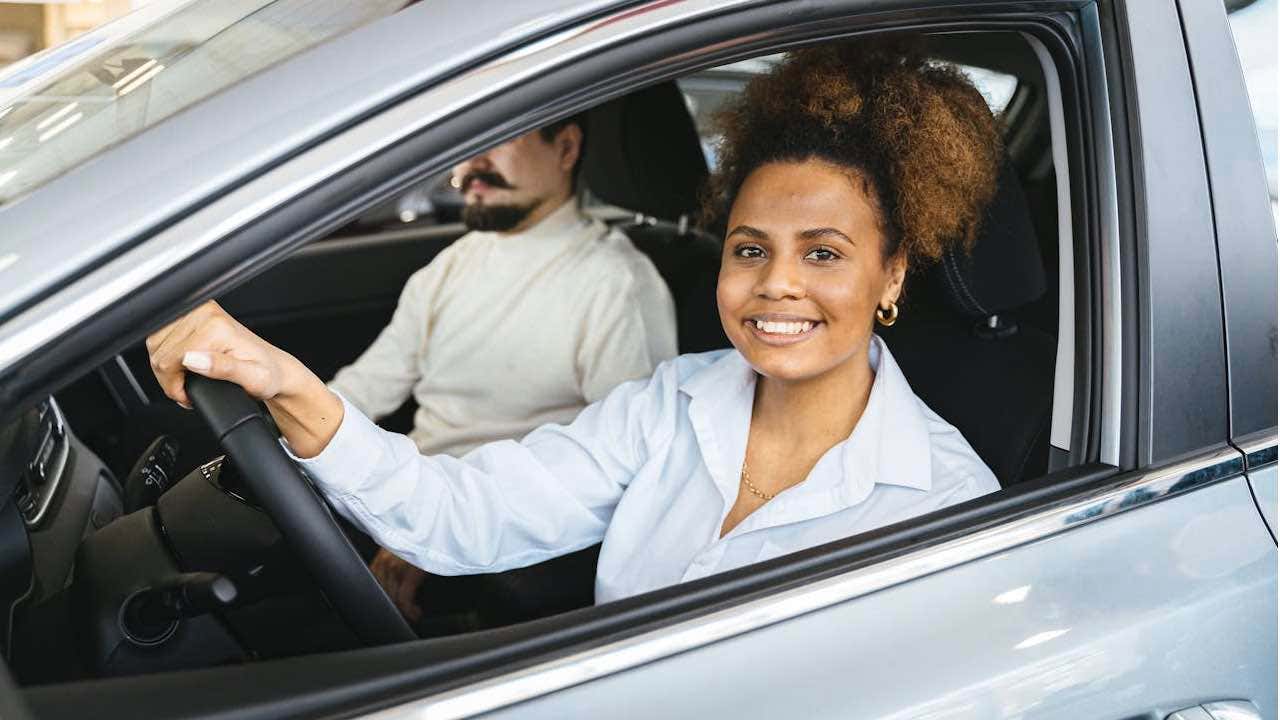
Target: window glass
1254, 28
707, 91
996, 87
65, 105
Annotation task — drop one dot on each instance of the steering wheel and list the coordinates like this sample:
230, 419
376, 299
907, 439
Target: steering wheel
301, 515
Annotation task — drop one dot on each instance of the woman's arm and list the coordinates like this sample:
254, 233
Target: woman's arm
504, 505
210, 342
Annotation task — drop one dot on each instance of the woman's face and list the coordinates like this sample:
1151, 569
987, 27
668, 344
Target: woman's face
802, 271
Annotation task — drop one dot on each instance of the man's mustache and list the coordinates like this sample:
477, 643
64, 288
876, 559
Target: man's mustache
492, 179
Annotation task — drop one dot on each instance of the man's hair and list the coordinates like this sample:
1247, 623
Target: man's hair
916, 134
549, 132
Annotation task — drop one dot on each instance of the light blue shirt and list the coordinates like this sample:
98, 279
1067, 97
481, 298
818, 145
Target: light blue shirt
651, 470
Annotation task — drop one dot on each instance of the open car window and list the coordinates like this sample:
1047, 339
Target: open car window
341, 293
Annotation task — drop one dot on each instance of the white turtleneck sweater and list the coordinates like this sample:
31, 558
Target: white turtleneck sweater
500, 334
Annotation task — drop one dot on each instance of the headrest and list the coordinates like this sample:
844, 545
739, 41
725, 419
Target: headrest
643, 153
1005, 269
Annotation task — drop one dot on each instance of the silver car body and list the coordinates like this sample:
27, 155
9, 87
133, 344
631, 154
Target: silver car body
1140, 594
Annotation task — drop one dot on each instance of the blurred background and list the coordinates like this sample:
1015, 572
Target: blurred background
31, 26
28, 27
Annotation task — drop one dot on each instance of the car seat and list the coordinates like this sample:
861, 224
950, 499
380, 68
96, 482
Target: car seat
962, 349
643, 155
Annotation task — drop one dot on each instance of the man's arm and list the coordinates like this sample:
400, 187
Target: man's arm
382, 378
630, 331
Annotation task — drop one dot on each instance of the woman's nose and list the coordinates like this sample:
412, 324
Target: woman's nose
779, 280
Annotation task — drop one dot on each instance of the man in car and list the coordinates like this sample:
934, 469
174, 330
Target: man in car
525, 320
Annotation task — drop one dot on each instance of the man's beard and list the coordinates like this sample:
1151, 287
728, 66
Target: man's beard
495, 218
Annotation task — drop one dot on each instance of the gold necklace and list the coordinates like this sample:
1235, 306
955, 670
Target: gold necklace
746, 481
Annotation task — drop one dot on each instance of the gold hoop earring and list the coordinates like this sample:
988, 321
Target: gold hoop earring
887, 317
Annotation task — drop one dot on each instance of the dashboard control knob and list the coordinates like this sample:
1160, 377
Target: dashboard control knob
151, 615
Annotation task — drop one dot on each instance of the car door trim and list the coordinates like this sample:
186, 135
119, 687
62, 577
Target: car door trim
1109, 212
1064, 366
1138, 490
1260, 452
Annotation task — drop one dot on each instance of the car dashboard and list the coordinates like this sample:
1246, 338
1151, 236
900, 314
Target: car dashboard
56, 493
103, 573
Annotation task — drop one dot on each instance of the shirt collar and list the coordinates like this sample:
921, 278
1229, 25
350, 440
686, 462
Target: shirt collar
889, 445
720, 399
728, 375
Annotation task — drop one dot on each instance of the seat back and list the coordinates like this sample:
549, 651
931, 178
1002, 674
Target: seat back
643, 154
963, 351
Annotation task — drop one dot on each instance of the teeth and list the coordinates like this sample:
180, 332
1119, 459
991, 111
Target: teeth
784, 328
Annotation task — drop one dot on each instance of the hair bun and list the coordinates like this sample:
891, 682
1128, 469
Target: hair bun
918, 132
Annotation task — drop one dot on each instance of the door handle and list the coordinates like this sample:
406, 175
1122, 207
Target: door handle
1220, 710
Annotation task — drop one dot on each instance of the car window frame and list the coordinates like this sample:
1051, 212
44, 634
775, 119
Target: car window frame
1172, 407
243, 249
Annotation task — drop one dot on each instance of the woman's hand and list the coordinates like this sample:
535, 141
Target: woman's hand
401, 582
209, 342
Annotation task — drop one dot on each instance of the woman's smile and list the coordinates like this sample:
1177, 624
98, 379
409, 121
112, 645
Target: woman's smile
780, 329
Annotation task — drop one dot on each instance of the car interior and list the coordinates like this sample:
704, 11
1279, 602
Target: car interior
123, 482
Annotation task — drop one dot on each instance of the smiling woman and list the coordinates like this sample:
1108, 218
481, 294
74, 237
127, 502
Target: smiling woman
833, 191
804, 433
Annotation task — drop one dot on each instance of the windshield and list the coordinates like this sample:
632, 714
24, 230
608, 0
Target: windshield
65, 105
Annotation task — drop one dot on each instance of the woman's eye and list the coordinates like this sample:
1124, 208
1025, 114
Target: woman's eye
749, 251
822, 255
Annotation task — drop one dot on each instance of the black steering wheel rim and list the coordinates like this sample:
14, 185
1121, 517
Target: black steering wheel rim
299, 512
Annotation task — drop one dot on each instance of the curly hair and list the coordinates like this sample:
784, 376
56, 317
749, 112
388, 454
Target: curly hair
917, 134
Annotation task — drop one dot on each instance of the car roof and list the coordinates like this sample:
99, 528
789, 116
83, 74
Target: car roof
106, 204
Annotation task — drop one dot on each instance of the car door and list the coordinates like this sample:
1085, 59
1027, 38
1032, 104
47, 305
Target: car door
1132, 614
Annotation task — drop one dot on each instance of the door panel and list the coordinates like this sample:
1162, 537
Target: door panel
1136, 615
324, 304
327, 302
